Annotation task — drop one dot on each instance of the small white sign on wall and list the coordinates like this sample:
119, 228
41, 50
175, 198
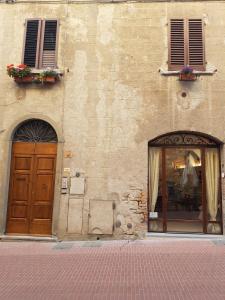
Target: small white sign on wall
77, 185
153, 215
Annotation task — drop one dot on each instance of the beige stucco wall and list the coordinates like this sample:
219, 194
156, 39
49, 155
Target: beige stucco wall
111, 101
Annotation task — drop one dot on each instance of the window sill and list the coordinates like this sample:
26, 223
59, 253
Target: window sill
198, 73
38, 71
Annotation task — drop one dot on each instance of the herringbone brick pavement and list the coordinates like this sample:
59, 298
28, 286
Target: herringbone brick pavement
151, 269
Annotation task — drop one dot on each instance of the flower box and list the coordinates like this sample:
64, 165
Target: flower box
20, 73
49, 79
187, 74
24, 74
26, 79
49, 75
187, 77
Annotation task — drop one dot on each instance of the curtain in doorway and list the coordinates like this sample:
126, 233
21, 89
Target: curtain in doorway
212, 186
154, 156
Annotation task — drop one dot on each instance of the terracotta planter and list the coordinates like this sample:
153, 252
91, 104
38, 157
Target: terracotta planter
50, 79
187, 77
27, 79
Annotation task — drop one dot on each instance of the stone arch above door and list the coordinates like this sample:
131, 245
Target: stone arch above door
17, 122
185, 138
35, 131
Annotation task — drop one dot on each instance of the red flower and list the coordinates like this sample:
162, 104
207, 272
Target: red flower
10, 66
22, 66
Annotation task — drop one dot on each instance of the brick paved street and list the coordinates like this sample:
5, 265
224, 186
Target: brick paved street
151, 269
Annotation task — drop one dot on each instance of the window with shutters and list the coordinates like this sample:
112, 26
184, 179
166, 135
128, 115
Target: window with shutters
40, 43
186, 44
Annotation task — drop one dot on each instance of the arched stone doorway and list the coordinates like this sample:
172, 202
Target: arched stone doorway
32, 177
184, 184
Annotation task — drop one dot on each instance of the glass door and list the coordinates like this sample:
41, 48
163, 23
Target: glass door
184, 184
183, 190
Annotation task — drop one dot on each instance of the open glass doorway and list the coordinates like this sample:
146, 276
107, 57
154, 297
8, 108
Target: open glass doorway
184, 185
184, 190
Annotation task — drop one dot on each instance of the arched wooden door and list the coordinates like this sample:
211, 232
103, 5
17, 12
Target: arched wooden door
31, 191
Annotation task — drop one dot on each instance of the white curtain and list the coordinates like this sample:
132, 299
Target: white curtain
154, 155
212, 185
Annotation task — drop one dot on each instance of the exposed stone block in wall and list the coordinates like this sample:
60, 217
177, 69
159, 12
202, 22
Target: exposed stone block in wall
132, 213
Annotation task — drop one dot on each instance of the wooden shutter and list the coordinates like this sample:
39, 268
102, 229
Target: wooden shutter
177, 49
49, 44
196, 44
31, 43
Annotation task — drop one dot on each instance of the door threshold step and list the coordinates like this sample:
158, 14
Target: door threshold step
6, 238
186, 236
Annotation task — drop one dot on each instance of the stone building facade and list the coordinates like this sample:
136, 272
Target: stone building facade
115, 95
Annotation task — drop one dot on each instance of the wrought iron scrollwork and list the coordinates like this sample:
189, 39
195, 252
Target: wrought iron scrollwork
35, 131
183, 139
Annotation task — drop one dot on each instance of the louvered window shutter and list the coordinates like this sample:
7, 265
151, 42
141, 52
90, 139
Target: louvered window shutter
31, 48
196, 45
48, 45
177, 51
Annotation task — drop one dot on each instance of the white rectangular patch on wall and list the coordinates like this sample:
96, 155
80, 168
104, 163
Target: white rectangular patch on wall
77, 185
153, 215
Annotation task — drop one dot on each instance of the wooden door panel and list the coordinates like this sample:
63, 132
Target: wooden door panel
46, 148
18, 221
20, 191
41, 220
46, 164
18, 226
31, 188
19, 211
41, 227
20, 187
23, 163
41, 212
43, 188
23, 148
43, 192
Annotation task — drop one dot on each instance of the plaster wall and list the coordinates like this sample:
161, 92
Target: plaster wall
110, 102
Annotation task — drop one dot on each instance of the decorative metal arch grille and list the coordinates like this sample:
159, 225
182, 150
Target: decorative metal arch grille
183, 139
35, 131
